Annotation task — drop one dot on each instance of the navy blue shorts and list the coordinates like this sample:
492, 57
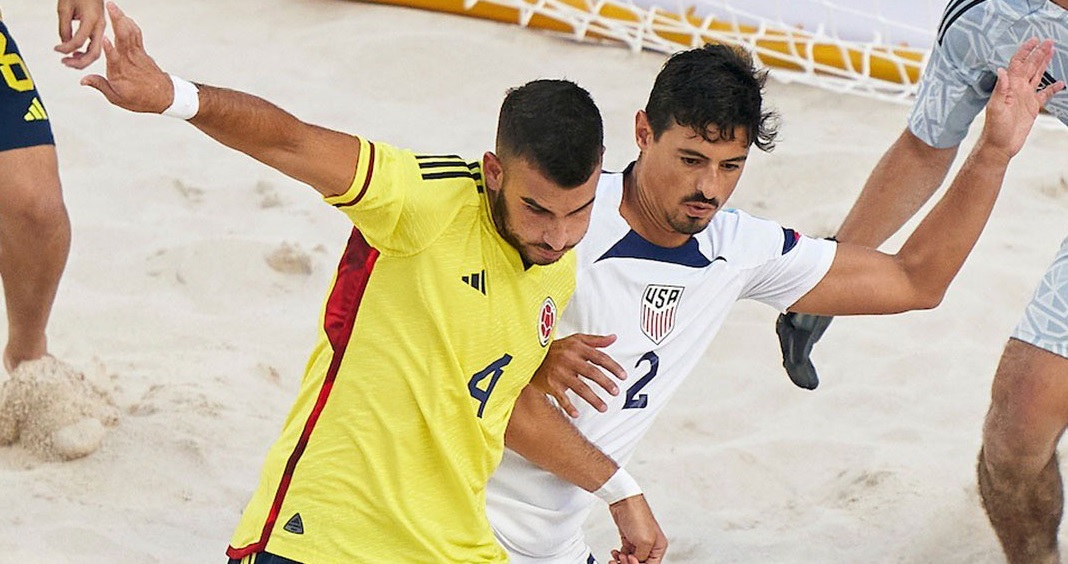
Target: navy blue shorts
263, 558
23, 119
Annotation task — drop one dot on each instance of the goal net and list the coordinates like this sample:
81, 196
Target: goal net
871, 47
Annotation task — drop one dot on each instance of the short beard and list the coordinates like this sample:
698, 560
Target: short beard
688, 226
501, 219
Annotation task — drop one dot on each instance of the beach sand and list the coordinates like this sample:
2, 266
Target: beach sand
196, 276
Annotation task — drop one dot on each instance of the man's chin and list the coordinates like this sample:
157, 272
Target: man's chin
542, 258
691, 226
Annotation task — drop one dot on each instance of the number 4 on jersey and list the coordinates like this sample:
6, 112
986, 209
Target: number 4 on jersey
493, 372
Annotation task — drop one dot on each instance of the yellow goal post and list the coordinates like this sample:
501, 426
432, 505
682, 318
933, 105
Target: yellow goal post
876, 48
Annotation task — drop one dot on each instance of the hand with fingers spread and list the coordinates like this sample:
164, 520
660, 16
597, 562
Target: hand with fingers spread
1017, 100
570, 362
90, 33
134, 82
641, 539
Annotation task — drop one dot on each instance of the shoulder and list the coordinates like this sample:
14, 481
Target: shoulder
748, 240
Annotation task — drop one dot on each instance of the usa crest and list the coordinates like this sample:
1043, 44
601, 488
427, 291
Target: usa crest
546, 321
659, 304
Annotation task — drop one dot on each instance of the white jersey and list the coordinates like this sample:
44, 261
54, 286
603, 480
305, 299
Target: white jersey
665, 306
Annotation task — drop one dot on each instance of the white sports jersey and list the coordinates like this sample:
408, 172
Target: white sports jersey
665, 306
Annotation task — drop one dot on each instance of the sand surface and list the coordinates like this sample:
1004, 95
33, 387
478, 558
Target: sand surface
196, 276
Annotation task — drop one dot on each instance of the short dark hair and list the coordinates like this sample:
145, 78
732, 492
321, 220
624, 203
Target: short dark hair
713, 86
555, 126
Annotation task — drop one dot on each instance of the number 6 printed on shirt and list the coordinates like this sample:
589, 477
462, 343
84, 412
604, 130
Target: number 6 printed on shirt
10, 61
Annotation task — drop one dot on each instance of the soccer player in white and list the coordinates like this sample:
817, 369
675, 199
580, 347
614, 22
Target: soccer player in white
664, 260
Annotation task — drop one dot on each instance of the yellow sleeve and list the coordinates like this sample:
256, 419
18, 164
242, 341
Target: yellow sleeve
398, 207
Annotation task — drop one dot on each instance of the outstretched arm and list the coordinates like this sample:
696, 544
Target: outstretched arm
324, 159
539, 432
863, 281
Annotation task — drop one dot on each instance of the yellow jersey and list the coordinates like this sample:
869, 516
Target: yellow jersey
430, 330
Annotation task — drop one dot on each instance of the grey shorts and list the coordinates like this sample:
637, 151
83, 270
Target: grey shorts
1045, 320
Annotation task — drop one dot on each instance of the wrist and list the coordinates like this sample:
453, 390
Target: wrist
186, 102
619, 487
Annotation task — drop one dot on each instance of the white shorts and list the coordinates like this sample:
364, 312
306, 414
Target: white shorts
574, 553
1045, 320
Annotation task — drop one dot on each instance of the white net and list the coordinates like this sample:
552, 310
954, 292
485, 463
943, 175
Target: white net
875, 48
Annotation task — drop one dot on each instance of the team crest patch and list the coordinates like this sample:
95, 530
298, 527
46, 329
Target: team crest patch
546, 321
659, 303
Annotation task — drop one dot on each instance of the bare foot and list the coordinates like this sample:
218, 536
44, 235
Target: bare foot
12, 360
54, 411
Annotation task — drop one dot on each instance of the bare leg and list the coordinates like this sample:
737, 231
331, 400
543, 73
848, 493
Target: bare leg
34, 244
1019, 479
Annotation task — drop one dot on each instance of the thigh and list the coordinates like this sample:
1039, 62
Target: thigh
23, 117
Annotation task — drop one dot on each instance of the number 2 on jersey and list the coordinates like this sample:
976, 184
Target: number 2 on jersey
634, 400
8, 62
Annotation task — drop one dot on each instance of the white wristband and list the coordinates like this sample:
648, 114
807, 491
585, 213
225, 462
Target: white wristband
186, 99
620, 486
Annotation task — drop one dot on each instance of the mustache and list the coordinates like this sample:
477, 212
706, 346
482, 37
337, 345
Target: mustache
699, 199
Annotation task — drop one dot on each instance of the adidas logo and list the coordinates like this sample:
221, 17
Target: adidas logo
476, 281
1047, 80
295, 525
36, 111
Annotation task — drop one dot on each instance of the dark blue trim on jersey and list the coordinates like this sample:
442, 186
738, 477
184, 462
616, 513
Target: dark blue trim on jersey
790, 239
633, 245
954, 10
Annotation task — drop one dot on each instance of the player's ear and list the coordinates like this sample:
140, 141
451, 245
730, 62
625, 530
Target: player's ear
643, 132
492, 170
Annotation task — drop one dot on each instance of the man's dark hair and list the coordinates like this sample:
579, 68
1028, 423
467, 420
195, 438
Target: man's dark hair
555, 126
712, 86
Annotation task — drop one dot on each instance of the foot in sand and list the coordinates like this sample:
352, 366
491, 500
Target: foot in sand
52, 410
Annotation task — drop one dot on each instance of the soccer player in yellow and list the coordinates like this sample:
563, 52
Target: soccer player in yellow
443, 305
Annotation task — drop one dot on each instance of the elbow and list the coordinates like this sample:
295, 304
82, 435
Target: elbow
927, 299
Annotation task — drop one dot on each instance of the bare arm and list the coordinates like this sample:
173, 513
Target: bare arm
866, 281
904, 179
324, 159
540, 433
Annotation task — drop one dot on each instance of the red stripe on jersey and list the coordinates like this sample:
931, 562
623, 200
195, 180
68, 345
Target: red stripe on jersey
341, 307
366, 180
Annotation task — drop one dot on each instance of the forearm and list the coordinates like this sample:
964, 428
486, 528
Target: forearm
540, 433
276, 138
935, 252
901, 183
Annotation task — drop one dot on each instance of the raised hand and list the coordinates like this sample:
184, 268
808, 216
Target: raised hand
134, 82
90, 33
570, 362
1017, 101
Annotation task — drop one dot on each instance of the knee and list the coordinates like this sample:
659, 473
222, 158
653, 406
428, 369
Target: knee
1022, 428
43, 213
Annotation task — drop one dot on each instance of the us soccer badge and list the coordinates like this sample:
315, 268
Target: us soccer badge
546, 321
659, 304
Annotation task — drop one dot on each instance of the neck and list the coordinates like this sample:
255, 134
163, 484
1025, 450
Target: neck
640, 216
1061, 3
